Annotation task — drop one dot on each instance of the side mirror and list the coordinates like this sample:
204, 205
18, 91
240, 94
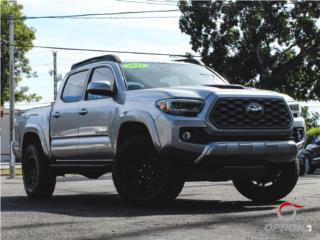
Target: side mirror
100, 88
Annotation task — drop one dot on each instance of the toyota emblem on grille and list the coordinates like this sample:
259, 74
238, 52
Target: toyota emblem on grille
255, 109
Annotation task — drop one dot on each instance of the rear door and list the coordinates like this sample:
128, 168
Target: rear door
96, 118
64, 120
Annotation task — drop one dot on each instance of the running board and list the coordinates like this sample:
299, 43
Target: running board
89, 168
74, 163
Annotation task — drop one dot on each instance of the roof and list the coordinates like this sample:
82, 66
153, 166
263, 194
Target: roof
112, 58
115, 58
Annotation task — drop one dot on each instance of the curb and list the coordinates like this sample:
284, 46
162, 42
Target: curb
5, 172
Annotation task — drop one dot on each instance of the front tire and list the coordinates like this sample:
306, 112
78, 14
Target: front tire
38, 179
141, 176
278, 185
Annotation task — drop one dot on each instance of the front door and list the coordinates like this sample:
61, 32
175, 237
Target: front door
96, 119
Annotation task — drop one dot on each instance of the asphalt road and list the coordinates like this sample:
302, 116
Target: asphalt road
91, 209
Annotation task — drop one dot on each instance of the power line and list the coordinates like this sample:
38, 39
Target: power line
149, 17
33, 103
50, 64
100, 50
149, 2
94, 14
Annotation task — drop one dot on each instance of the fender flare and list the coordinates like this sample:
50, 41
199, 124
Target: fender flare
139, 117
40, 133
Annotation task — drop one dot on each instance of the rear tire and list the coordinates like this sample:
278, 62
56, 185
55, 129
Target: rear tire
142, 177
283, 180
38, 179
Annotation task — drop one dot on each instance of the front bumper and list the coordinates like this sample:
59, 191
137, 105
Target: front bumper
271, 151
300, 123
259, 150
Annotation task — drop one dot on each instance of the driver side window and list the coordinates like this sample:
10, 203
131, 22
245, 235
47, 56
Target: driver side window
100, 74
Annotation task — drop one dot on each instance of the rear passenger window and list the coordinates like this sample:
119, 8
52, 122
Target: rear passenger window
73, 89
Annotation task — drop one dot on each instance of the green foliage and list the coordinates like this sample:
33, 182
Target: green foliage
312, 133
267, 44
23, 37
312, 119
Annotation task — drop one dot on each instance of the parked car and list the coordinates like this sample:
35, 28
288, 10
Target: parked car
312, 153
156, 125
304, 162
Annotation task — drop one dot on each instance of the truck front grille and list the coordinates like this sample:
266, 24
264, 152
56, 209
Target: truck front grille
250, 113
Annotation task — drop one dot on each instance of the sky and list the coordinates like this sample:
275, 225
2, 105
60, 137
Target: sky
143, 35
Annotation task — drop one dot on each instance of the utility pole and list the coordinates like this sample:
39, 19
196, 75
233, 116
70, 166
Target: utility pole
55, 78
12, 88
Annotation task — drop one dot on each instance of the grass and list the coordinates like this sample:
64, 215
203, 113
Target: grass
6, 172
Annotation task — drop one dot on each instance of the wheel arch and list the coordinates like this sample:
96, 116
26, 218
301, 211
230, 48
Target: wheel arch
31, 136
133, 124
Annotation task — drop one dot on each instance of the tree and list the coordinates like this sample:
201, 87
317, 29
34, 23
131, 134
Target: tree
267, 44
312, 119
23, 41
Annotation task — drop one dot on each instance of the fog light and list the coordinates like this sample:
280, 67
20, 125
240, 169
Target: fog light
186, 136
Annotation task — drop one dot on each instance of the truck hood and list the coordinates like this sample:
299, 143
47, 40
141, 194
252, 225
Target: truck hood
202, 92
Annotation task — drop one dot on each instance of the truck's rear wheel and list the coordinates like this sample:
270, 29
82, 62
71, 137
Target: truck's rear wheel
141, 177
38, 179
279, 184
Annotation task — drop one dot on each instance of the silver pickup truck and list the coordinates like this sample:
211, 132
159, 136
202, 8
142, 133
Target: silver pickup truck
156, 125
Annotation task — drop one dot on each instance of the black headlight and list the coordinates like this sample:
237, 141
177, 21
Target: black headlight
181, 106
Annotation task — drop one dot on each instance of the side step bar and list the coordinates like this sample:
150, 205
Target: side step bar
90, 168
58, 163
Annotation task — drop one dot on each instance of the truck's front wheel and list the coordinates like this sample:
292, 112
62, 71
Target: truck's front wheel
278, 184
38, 179
141, 176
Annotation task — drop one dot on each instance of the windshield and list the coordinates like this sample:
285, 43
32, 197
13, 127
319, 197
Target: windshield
158, 75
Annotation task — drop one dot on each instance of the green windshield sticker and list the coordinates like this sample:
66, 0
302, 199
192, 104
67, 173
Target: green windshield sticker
135, 65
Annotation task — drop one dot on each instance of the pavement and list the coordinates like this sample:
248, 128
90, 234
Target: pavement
91, 209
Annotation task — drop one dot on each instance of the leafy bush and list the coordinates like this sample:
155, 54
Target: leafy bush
311, 133
312, 118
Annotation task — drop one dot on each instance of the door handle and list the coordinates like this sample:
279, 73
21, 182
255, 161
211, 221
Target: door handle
56, 114
83, 111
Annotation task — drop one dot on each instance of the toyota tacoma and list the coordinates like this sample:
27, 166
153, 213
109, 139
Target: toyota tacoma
156, 125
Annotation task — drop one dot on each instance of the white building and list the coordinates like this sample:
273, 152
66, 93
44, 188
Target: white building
5, 135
